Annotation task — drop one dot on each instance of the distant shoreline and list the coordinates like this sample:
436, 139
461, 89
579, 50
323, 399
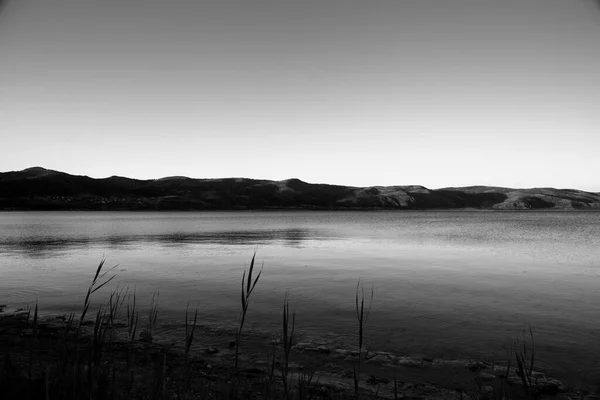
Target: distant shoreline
47, 190
299, 209
410, 210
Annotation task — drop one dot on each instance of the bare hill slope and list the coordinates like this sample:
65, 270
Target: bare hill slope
42, 189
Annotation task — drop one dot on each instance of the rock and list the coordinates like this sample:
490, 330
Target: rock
487, 393
500, 371
538, 375
254, 372
380, 359
348, 374
27, 332
211, 350
354, 353
515, 380
409, 363
340, 353
331, 368
373, 380
52, 326
301, 346
477, 365
485, 377
318, 349
551, 386
146, 336
323, 349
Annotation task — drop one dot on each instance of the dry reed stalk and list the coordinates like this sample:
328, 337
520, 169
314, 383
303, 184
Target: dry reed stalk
362, 317
247, 288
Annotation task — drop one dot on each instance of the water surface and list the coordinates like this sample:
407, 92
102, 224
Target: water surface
452, 284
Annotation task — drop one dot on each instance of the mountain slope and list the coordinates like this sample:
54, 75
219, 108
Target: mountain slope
41, 189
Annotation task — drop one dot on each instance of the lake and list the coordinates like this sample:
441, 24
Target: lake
452, 284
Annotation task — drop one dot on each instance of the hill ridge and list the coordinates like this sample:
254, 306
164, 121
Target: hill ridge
38, 188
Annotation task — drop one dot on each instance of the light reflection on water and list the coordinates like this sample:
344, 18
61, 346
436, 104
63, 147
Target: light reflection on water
452, 283
48, 246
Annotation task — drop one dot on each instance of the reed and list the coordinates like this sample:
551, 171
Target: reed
305, 384
97, 284
189, 333
288, 338
115, 303
525, 363
362, 317
271, 361
132, 316
248, 286
34, 335
269, 389
501, 393
153, 312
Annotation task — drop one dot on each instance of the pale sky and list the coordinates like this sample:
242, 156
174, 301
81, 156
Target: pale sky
431, 92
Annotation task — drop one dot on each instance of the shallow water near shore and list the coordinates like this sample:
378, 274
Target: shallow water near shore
452, 284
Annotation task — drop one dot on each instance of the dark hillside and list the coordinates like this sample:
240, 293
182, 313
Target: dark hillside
42, 189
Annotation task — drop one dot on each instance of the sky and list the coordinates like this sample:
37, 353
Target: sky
431, 92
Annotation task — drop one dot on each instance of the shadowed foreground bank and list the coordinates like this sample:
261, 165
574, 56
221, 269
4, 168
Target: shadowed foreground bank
118, 351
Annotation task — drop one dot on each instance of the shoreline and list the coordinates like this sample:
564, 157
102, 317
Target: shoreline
300, 209
212, 353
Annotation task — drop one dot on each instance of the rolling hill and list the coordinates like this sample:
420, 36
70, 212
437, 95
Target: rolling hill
43, 189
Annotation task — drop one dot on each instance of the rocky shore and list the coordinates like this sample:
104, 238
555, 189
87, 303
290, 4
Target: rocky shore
27, 345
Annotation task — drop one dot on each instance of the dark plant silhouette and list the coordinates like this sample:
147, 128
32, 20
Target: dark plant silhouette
362, 316
247, 288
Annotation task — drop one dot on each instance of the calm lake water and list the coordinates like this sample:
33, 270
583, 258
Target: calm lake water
454, 284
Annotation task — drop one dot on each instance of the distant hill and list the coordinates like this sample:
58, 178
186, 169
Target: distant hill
42, 189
